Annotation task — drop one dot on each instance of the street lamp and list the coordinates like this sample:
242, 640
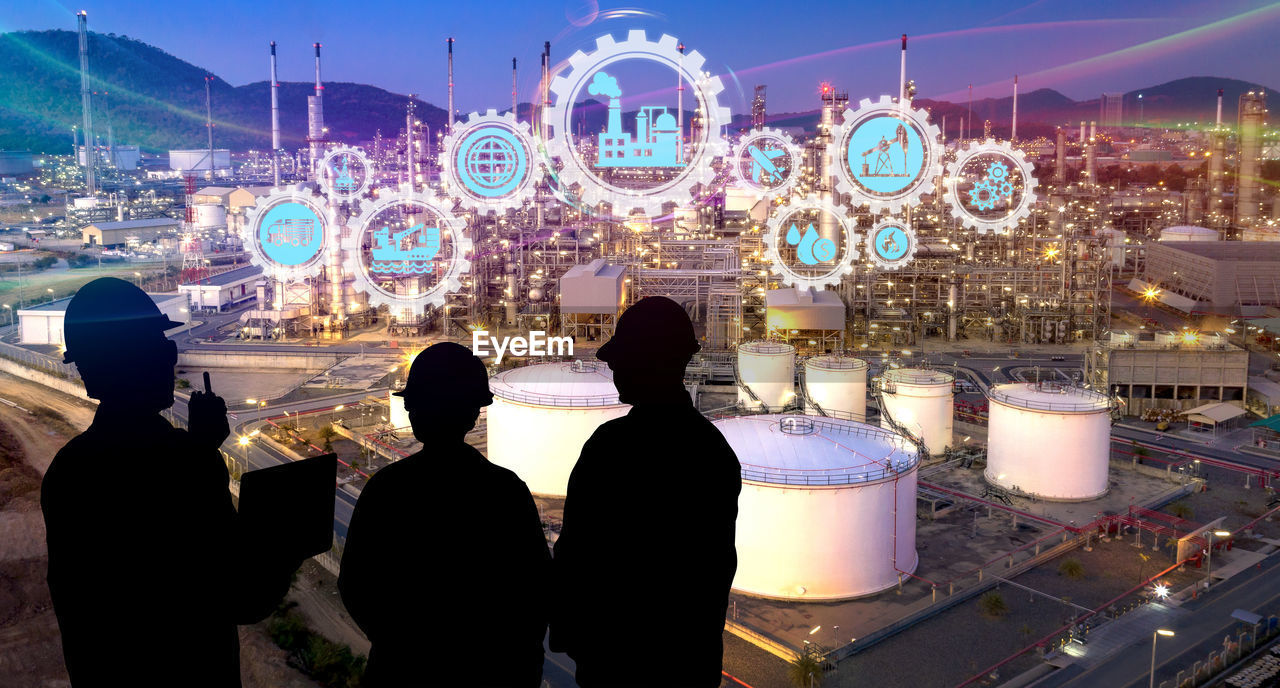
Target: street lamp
9, 308
1208, 565
1154, 637
139, 276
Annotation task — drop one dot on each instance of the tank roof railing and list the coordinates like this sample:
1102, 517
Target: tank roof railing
914, 376
556, 400
836, 362
763, 347
1098, 404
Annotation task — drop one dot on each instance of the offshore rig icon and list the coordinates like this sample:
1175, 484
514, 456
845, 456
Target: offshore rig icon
408, 252
884, 164
657, 140
344, 182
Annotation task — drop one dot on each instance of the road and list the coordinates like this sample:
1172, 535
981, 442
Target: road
1197, 633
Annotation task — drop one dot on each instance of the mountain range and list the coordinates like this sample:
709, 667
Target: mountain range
154, 100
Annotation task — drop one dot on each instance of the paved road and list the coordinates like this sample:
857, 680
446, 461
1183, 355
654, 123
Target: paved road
1198, 633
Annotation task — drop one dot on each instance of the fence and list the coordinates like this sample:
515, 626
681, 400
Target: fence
1234, 650
39, 361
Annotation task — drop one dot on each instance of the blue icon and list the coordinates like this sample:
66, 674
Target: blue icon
892, 243
811, 250
343, 181
762, 164
406, 252
993, 187
891, 152
657, 140
291, 234
491, 162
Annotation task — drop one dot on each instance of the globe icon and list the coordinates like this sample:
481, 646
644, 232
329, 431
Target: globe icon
491, 162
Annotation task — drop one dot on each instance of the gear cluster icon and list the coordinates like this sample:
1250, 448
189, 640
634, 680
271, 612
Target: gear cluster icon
995, 185
490, 162
899, 151
407, 253
582, 78
832, 264
766, 163
287, 234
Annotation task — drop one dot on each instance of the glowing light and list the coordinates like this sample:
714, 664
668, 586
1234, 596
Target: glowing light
1161, 591
1190, 337
244, 441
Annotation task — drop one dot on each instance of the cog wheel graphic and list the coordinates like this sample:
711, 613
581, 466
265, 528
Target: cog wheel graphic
982, 196
997, 171
337, 179
840, 266
891, 244
758, 163
289, 234
594, 190
489, 162
891, 175
1016, 162
449, 281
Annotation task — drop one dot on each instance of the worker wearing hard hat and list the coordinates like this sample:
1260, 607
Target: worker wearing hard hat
444, 546
141, 530
671, 561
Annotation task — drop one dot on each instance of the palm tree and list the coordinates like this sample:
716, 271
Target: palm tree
1071, 568
993, 605
327, 433
805, 670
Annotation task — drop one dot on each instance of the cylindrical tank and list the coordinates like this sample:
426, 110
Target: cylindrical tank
827, 509
210, 215
398, 416
1051, 441
837, 385
767, 369
920, 401
1188, 233
541, 416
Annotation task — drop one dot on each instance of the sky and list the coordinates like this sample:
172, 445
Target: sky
1078, 47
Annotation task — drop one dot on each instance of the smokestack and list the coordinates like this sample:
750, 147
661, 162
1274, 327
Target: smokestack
275, 119
1219, 121
319, 87
208, 119
969, 118
86, 105
1093, 130
545, 86
450, 129
680, 108
1013, 136
513, 88
315, 113
902, 76
1252, 115
1060, 172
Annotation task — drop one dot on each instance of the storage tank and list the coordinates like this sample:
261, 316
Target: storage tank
541, 416
397, 416
1047, 440
837, 385
920, 401
827, 509
210, 215
768, 370
1188, 233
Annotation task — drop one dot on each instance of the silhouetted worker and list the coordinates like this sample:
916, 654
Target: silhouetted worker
632, 566
148, 570
445, 556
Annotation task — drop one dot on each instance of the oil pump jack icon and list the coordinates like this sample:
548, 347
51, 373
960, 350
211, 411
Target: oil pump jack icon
884, 164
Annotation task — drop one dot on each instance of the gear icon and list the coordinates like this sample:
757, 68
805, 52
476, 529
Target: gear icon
891, 244
450, 228
336, 175
1015, 160
287, 233
594, 190
840, 266
895, 181
997, 171
982, 196
489, 162
759, 165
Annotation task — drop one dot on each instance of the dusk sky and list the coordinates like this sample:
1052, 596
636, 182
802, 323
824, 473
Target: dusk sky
1079, 48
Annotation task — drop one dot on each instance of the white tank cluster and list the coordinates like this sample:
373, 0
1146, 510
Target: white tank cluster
1047, 440
827, 509
541, 416
920, 401
768, 370
837, 385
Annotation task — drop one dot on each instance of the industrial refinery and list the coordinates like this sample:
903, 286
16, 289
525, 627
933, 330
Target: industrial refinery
1005, 406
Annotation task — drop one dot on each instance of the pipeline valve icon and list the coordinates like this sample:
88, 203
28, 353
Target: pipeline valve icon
810, 249
409, 251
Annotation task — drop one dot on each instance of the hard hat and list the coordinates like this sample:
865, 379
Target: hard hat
449, 372
655, 327
108, 310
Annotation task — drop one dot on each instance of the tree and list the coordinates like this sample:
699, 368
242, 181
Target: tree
1181, 509
327, 433
992, 605
1071, 568
805, 670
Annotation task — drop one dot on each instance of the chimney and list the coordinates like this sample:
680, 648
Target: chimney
513, 88
450, 129
680, 108
1219, 121
902, 76
275, 120
86, 105
1060, 172
1013, 136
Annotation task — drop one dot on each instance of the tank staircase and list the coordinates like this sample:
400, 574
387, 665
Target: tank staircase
793, 406
880, 388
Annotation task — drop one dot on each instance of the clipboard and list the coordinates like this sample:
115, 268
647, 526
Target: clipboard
290, 506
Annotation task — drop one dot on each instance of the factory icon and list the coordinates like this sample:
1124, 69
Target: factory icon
657, 139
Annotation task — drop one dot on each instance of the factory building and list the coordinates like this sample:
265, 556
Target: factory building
1228, 277
1167, 370
16, 163
224, 290
43, 324
110, 234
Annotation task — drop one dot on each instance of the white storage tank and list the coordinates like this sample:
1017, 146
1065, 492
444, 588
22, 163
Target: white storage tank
837, 385
920, 401
210, 215
768, 370
1050, 441
1188, 233
397, 416
541, 416
827, 509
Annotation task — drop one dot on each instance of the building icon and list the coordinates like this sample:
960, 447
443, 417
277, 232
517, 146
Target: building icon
657, 139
